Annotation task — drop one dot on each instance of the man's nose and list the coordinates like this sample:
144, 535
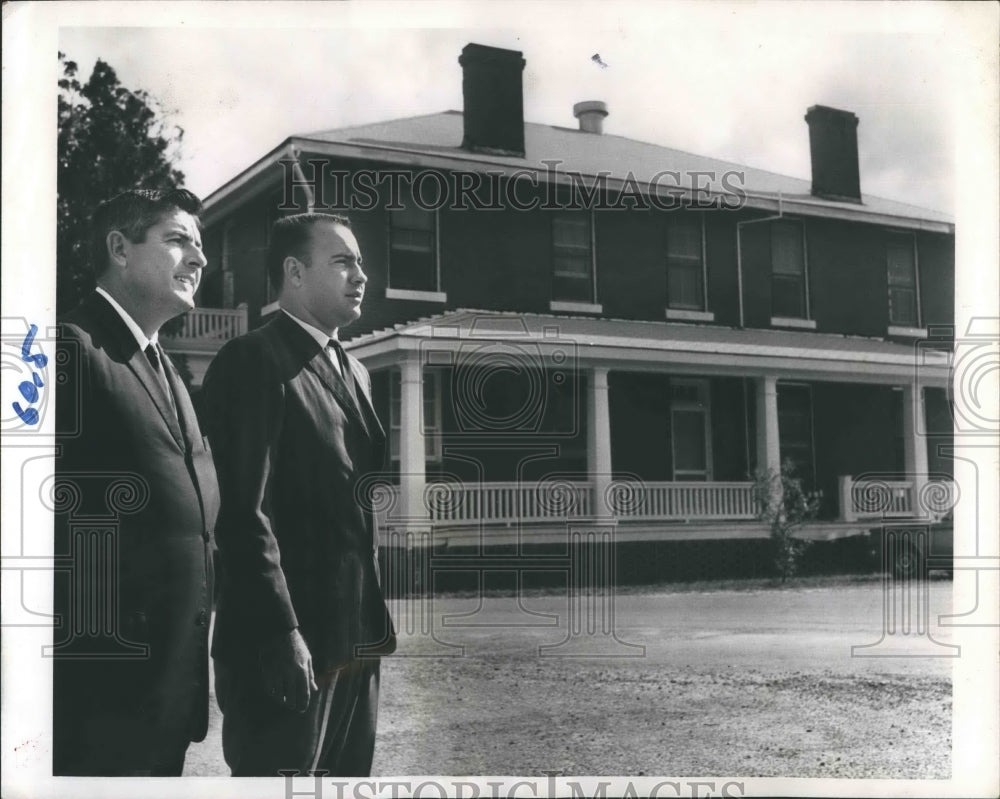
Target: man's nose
359, 275
196, 257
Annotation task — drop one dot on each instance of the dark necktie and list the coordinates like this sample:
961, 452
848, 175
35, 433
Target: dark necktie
156, 361
345, 369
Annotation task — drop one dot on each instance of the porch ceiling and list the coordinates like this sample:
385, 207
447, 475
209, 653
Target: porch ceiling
654, 346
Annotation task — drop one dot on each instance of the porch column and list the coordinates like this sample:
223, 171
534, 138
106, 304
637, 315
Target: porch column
412, 457
599, 438
768, 448
914, 443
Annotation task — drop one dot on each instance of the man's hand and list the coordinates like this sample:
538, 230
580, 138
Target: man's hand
287, 672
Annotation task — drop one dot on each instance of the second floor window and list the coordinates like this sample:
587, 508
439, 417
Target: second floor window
572, 257
686, 261
788, 271
413, 262
901, 265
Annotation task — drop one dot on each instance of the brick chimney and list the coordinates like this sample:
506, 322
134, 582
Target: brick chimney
493, 98
833, 147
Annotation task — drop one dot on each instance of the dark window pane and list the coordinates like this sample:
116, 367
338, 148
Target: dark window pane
412, 270
413, 218
689, 441
788, 296
786, 249
572, 266
572, 259
684, 236
572, 289
571, 231
412, 250
795, 434
413, 240
684, 285
902, 306
899, 256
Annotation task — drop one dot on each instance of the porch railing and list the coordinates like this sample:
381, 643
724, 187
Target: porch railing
454, 502
495, 502
682, 500
894, 499
219, 324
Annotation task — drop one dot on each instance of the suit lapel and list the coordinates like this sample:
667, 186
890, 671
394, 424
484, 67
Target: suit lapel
135, 359
185, 410
362, 385
319, 364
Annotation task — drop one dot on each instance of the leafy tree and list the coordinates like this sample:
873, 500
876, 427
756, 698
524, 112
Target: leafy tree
784, 504
110, 139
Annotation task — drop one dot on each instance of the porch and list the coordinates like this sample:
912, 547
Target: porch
198, 335
506, 513
578, 445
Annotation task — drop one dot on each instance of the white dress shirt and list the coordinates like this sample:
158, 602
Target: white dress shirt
321, 338
130, 323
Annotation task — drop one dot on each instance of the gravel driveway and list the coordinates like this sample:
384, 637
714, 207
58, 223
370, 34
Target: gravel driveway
749, 683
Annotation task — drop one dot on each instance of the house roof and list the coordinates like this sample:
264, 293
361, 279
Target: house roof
623, 343
436, 139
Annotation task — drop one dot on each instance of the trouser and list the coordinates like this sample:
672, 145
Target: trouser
115, 746
336, 733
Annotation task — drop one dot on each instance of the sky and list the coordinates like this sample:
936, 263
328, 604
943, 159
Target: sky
726, 80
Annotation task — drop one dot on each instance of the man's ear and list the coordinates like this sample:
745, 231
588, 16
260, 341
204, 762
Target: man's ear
292, 268
117, 247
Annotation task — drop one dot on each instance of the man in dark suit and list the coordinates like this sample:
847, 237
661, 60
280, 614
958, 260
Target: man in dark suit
302, 620
135, 500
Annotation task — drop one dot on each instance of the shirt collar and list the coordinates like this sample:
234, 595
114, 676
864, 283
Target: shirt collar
130, 323
321, 338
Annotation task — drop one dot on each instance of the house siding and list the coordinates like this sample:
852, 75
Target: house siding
502, 260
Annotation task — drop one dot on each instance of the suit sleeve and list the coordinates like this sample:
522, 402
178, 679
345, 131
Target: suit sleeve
244, 406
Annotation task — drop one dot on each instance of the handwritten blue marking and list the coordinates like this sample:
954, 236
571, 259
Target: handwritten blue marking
29, 390
28, 415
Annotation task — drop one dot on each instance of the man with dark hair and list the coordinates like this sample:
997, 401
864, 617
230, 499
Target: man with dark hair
136, 500
302, 620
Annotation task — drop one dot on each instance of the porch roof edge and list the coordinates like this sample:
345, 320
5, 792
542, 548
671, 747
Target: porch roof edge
615, 341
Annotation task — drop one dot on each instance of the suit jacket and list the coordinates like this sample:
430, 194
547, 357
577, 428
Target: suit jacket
296, 540
128, 466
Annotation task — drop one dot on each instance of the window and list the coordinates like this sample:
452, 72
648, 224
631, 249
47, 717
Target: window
573, 258
789, 289
795, 430
686, 261
901, 265
413, 250
690, 430
431, 414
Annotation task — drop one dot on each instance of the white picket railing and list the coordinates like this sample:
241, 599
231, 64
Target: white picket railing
218, 324
494, 502
894, 499
682, 500
552, 500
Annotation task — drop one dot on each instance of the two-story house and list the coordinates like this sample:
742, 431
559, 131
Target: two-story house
564, 324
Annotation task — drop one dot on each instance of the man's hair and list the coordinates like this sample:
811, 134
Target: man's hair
291, 235
133, 213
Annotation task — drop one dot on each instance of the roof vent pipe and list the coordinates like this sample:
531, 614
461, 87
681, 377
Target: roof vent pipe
591, 114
